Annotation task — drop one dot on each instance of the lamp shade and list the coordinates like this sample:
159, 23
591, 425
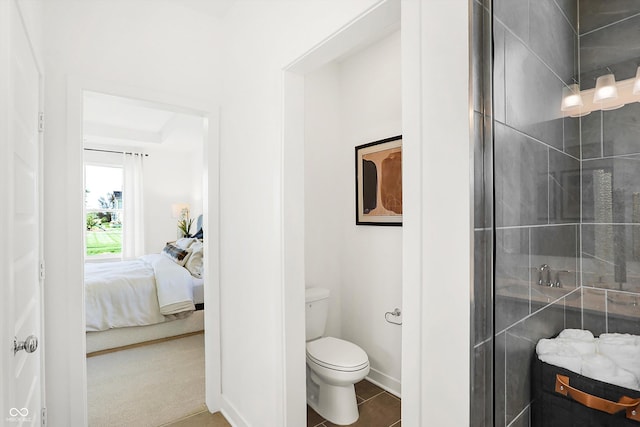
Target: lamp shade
636, 83
178, 210
605, 88
571, 97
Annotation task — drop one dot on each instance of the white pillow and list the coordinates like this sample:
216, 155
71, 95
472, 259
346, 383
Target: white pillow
195, 264
185, 242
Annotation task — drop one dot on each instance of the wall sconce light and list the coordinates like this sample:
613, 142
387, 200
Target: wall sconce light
571, 97
605, 88
180, 210
607, 95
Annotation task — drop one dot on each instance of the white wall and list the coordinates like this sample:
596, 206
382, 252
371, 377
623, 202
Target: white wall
163, 47
347, 104
261, 39
170, 176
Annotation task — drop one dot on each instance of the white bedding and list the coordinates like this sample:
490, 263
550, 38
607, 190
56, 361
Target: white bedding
136, 293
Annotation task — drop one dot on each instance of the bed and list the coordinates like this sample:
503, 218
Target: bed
152, 297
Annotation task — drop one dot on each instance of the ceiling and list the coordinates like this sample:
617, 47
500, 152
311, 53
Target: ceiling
115, 122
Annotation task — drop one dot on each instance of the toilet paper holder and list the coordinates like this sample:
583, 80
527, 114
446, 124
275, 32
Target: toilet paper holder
395, 313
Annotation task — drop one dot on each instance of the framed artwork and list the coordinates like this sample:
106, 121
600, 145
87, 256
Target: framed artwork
379, 182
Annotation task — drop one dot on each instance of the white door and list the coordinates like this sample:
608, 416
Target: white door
21, 288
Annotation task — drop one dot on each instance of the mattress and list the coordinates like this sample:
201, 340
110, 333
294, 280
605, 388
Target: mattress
198, 290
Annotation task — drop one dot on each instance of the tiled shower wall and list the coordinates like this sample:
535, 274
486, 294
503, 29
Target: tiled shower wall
567, 190
609, 43
537, 202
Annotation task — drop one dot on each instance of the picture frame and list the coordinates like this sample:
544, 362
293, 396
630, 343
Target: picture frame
378, 172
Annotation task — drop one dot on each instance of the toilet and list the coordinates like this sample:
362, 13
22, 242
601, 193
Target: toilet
333, 365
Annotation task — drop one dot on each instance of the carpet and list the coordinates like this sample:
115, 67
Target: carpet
146, 386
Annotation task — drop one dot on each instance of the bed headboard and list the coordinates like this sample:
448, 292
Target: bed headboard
199, 222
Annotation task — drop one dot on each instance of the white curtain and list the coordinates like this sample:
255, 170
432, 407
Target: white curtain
133, 204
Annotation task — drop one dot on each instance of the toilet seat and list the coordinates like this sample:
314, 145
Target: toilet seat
336, 354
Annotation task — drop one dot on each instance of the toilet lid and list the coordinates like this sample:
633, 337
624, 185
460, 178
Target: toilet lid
337, 354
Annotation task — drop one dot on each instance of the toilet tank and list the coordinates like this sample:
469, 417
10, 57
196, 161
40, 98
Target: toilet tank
316, 310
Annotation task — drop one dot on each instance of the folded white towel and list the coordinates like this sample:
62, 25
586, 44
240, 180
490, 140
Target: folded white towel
583, 347
556, 346
559, 353
622, 349
577, 334
614, 339
598, 366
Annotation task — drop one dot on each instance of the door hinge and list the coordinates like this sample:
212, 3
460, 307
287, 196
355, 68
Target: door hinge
41, 122
42, 270
44, 417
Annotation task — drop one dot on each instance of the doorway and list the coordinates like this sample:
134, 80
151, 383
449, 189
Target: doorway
142, 161
208, 160
379, 22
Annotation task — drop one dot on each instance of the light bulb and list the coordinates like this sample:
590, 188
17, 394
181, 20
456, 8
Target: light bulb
571, 97
605, 88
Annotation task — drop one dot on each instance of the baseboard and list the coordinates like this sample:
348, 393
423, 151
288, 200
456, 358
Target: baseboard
231, 414
385, 382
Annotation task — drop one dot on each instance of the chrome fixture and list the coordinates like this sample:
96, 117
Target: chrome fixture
544, 275
558, 283
396, 313
29, 345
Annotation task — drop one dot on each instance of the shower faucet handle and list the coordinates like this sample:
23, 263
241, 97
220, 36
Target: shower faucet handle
544, 275
558, 283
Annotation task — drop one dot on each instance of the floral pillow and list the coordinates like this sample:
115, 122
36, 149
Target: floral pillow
177, 254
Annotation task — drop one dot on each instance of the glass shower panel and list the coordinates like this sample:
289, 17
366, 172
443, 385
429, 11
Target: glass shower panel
557, 231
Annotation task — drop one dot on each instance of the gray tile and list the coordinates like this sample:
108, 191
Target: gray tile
521, 342
573, 311
571, 136
499, 82
479, 187
610, 190
613, 45
487, 62
623, 312
570, 10
564, 188
477, 56
523, 420
594, 311
521, 168
514, 14
621, 130
488, 170
597, 13
555, 246
610, 256
533, 94
623, 69
500, 392
481, 402
553, 39
512, 277
591, 135
482, 306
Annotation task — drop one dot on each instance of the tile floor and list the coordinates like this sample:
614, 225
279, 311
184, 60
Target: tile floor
201, 419
377, 407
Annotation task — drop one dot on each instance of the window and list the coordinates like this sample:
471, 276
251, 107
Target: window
103, 211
